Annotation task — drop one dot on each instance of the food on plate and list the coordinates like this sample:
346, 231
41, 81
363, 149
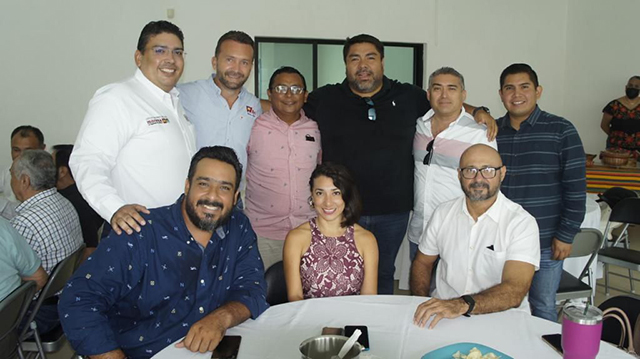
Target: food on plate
474, 354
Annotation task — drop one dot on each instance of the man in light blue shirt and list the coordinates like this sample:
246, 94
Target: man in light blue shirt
219, 107
18, 261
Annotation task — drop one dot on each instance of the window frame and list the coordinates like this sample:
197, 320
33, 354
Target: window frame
418, 55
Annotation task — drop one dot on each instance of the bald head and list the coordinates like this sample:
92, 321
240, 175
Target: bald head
479, 156
481, 173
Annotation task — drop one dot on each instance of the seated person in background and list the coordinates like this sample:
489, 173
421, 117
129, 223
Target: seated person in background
193, 270
90, 221
45, 219
621, 119
283, 150
331, 255
22, 138
488, 247
18, 262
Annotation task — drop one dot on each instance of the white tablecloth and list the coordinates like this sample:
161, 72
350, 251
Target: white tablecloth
571, 265
279, 331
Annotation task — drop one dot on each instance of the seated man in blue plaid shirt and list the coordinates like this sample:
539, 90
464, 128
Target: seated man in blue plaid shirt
193, 271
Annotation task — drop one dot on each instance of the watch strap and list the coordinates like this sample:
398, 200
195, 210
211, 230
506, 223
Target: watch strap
471, 302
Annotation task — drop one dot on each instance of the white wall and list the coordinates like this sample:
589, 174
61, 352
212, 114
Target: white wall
57, 53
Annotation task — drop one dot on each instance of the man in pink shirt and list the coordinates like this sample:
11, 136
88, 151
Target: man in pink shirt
283, 150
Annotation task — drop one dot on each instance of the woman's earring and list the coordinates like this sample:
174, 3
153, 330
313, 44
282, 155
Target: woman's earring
310, 202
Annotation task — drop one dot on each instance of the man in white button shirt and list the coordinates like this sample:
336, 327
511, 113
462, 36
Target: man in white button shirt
135, 143
488, 246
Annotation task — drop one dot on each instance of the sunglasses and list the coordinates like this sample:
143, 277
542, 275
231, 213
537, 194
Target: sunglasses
427, 158
372, 111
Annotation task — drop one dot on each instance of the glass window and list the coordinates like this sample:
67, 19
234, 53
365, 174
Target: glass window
321, 62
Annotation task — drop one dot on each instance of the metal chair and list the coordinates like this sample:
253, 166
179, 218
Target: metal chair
627, 211
586, 243
276, 285
12, 310
53, 340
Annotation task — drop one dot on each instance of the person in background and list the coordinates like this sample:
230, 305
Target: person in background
283, 150
18, 262
23, 137
46, 220
621, 119
331, 255
90, 221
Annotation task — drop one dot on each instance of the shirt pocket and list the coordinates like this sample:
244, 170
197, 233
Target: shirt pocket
305, 154
490, 264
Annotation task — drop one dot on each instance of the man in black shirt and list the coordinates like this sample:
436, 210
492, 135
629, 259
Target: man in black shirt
90, 221
367, 123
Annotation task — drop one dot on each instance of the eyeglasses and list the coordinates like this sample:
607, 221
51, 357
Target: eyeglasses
282, 89
162, 50
486, 172
372, 110
427, 157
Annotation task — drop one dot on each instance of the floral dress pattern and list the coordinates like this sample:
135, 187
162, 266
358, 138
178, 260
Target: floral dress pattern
625, 126
331, 266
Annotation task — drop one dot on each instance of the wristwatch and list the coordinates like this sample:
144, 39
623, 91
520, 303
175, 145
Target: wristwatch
472, 303
483, 108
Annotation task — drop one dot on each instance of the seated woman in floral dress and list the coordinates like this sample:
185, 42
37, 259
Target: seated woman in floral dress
331, 255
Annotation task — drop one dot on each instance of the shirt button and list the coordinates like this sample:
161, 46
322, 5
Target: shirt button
201, 310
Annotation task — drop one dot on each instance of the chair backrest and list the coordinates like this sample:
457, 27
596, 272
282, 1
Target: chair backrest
611, 329
276, 285
626, 211
586, 243
12, 309
614, 195
57, 279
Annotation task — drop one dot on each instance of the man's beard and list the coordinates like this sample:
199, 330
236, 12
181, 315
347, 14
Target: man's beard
476, 196
230, 85
364, 86
207, 223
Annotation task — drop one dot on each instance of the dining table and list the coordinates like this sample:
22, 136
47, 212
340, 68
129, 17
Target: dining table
601, 177
278, 332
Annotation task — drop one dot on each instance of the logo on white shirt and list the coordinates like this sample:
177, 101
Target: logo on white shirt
157, 120
251, 112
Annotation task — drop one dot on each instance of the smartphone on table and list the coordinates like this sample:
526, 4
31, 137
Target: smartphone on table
227, 348
364, 337
555, 341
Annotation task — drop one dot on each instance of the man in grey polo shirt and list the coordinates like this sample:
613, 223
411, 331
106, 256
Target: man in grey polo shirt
220, 108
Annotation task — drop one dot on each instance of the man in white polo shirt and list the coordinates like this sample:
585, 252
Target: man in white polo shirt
442, 135
135, 144
488, 246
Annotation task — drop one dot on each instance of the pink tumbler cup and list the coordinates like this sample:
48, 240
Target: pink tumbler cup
581, 331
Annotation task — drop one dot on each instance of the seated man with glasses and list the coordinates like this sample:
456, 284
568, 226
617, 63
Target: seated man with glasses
488, 247
283, 150
442, 134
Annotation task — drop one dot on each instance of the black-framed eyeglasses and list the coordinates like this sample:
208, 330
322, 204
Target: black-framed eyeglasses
427, 158
486, 172
372, 110
283, 89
